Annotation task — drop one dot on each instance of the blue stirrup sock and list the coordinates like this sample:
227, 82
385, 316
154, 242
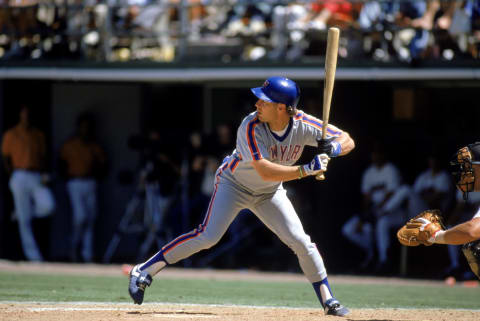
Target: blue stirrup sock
323, 293
158, 257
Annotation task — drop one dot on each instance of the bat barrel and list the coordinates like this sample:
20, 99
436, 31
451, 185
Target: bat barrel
330, 68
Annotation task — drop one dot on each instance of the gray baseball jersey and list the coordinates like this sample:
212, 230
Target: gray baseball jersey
256, 141
238, 186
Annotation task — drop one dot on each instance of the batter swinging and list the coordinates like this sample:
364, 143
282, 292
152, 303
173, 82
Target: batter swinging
269, 141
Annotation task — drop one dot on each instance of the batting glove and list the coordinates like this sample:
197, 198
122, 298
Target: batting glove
329, 146
318, 164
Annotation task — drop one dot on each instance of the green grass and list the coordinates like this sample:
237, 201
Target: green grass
41, 287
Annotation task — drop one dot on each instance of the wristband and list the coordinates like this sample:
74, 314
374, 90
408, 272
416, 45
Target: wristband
300, 172
336, 149
439, 237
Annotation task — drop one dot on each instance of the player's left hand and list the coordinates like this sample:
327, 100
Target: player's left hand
329, 146
318, 164
422, 229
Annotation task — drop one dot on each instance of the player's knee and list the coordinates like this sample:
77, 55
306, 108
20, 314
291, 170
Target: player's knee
301, 245
209, 240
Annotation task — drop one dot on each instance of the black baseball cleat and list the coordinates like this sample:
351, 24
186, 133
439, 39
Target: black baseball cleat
333, 307
137, 283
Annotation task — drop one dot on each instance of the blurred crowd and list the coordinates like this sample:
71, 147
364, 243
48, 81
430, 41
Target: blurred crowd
238, 30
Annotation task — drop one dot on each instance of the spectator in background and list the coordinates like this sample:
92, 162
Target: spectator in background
83, 163
331, 13
196, 12
208, 156
21, 17
465, 27
416, 18
432, 188
450, 27
194, 201
406, 24
292, 22
248, 18
220, 144
24, 156
161, 177
289, 27
383, 208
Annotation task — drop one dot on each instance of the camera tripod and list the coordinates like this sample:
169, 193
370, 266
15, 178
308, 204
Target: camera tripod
145, 213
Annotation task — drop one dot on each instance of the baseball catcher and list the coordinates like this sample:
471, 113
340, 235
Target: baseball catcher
427, 228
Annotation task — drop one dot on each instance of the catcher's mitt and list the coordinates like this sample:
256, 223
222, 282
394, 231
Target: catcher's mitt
421, 228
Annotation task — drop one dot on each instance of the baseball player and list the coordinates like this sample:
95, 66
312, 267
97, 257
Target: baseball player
82, 162
466, 172
24, 153
383, 199
269, 141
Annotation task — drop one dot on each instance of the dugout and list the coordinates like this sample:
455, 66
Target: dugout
411, 110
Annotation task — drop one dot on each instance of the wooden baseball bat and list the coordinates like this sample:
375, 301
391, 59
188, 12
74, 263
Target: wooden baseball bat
330, 67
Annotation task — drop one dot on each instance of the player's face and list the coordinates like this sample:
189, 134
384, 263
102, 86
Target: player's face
266, 111
467, 180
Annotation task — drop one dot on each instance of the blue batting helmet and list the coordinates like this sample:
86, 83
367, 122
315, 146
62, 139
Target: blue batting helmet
279, 90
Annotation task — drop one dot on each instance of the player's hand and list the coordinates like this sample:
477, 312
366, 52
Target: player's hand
427, 230
329, 146
318, 164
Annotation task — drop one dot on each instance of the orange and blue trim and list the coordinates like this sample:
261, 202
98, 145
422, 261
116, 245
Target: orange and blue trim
298, 116
319, 124
202, 227
234, 164
252, 142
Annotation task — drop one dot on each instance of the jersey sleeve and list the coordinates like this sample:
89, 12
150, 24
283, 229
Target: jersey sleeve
313, 129
250, 142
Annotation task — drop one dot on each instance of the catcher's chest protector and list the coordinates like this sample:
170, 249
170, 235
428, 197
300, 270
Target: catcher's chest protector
472, 253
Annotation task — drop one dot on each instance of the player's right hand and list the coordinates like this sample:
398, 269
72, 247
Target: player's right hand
318, 164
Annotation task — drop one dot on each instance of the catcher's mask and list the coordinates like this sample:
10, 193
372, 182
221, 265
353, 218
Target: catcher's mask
465, 167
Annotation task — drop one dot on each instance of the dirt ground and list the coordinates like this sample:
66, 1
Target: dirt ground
36, 311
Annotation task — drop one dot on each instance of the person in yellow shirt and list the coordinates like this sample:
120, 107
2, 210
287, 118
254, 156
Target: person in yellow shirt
24, 158
82, 162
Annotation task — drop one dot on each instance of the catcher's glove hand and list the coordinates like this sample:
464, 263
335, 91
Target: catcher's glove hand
421, 229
